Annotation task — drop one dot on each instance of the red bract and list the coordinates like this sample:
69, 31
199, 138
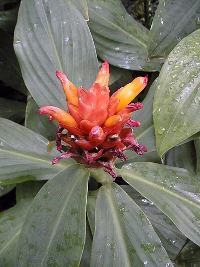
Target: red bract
99, 127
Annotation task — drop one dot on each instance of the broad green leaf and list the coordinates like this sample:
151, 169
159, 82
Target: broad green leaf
82, 6
197, 148
36, 122
91, 206
177, 97
145, 133
123, 234
11, 222
173, 21
174, 191
172, 239
27, 191
85, 260
23, 155
55, 226
118, 37
11, 109
9, 68
182, 156
53, 35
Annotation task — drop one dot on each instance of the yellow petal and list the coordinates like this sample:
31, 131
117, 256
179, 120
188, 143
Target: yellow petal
111, 121
69, 88
127, 93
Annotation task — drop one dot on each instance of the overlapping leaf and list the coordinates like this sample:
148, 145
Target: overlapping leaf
54, 229
174, 191
123, 234
177, 98
182, 156
36, 122
118, 37
53, 35
173, 21
23, 155
172, 239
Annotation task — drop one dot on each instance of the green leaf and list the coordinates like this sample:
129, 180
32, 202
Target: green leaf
27, 191
118, 37
11, 109
52, 35
9, 68
36, 122
182, 156
174, 191
23, 155
177, 97
123, 234
85, 260
91, 206
11, 222
82, 6
173, 21
54, 229
197, 148
145, 133
172, 239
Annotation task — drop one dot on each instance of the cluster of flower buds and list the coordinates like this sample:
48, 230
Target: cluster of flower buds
97, 128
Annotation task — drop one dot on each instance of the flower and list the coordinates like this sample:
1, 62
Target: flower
97, 128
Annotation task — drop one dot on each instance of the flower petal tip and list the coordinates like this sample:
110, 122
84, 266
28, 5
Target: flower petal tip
61, 76
145, 81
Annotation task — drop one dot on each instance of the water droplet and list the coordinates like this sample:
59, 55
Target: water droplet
146, 201
198, 21
66, 39
161, 130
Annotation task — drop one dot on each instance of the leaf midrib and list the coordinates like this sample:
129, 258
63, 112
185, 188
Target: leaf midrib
118, 226
120, 29
53, 233
160, 188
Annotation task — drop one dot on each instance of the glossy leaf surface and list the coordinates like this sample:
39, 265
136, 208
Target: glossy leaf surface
118, 37
55, 226
173, 21
177, 97
37, 123
49, 36
123, 234
23, 155
172, 239
174, 191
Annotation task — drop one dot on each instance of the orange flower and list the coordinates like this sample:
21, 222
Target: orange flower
98, 126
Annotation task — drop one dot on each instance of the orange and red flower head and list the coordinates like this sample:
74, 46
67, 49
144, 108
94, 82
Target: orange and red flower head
97, 128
